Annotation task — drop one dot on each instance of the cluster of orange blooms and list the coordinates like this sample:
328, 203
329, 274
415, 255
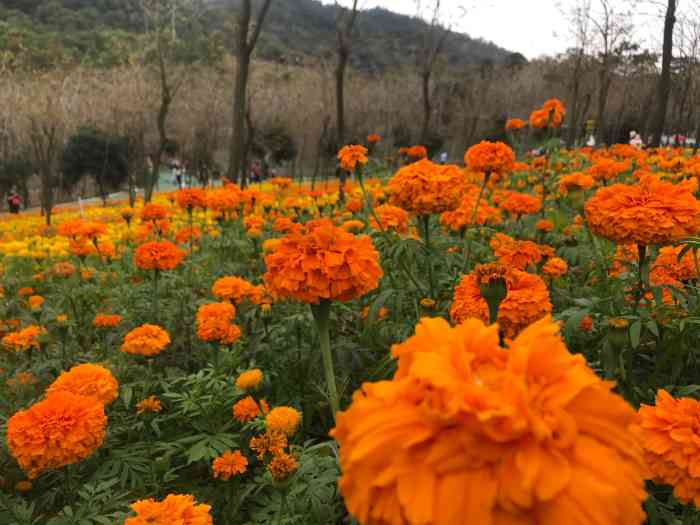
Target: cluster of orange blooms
147, 340
527, 300
352, 157
650, 212
324, 262
24, 339
215, 323
523, 434
424, 188
174, 509
158, 255
550, 116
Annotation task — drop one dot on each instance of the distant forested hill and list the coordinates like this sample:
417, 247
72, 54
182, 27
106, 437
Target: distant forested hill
102, 31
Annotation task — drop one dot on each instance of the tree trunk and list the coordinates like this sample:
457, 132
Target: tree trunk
603, 90
575, 88
664, 88
427, 106
239, 111
319, 151
340, 95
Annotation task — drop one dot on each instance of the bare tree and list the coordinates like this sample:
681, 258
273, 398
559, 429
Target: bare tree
664, 87
580, 21
611, 28
344, 24
434, 39
246, 40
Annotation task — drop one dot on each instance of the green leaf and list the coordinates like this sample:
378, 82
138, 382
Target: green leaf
635, 333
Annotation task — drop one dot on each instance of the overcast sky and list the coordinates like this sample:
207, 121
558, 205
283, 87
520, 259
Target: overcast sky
531, 27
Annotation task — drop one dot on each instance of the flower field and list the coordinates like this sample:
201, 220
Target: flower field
508, 341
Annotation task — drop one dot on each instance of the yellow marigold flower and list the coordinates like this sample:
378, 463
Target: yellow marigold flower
272, 443
527, 432
63, 429
150, 404
174, 509
249, 379
229, 464
61, 318
246, 410
87, 380
147, 340
283, 419
282, 466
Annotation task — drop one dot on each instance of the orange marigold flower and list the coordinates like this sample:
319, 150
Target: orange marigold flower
544, 225
147, 340
224, 200
514, 124
87, 380
35, 301
106, 320
63, 429
392, 218
651, 212
150, 404
190, 198
417, 152
154, 212
555, 267
22, 379
174, 509
668, 266
461, 218
254, 222
527, 433
283, 224
352, 156
607, 169
214, 323
354, 205
671, 441
23, 339
229, 464
249, 379
373, 138
246, 410
353, 226
79, 228
26, 291
325, 262
281, 182
424, 187
23, 486
272, 443
158, 255
519, 204
527, 301
586, 324
539, 119
575, 181
283, 419
490, 157
63, 269
234, 289
187, 234
282, 466
514, 253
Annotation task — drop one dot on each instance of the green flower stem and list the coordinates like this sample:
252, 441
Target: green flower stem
472, 223
641, 283
402, 262
321, 313
425, 221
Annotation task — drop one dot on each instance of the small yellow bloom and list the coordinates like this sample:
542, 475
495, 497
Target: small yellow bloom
150, 404
618, 323
250, 379
23, 486
427, 303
